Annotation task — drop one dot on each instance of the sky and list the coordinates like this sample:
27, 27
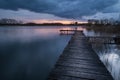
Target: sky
59, 10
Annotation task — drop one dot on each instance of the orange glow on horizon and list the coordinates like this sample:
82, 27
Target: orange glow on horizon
58, 21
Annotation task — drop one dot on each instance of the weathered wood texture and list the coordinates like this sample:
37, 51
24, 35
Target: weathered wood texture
79, 62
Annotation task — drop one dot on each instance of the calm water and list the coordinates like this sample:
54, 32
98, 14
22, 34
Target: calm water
29, 53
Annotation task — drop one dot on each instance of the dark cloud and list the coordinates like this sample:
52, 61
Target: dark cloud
62, 8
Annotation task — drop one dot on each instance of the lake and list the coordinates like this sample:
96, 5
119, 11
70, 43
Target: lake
30, 53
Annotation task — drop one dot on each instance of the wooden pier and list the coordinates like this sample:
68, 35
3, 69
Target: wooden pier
67, 32
79, 62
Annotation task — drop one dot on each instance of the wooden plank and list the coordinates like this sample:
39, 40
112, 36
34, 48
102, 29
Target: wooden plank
79, 62
78, 74
82, 69
67, 78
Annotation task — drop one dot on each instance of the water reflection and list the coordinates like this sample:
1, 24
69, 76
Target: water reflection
110, 56
74, 28
108, 53
29, 53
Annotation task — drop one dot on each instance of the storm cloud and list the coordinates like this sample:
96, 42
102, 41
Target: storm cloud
61, 8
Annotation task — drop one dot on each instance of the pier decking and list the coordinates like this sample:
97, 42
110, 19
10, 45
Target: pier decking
79, 62
67, 32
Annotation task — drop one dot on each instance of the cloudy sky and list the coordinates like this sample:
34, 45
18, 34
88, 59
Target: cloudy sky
59, 9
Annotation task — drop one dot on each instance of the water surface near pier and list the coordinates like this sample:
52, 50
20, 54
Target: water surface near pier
109, 53
29, 53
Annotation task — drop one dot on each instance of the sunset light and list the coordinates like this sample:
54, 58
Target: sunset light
58, 21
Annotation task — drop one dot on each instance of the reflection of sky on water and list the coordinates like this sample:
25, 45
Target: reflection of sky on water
26, 34
110, 56
91, 33
108, 53
28, 53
